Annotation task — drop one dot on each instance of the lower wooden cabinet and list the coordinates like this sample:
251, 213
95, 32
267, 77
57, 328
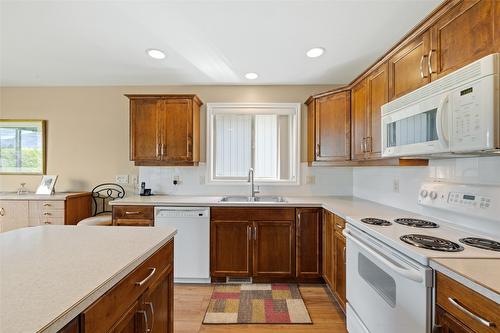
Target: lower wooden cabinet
265, 243
448, 324
137, 216
340, 270
328, 261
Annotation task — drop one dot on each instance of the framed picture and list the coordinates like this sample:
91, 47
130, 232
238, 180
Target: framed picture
22, 147
47, 185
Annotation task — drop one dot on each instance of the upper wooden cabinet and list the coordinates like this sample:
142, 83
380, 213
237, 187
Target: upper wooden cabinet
359, 119
408, 67
329, 124
467, 32
165, 129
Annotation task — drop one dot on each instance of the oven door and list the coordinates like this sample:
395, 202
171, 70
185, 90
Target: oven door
386, 291
418, 129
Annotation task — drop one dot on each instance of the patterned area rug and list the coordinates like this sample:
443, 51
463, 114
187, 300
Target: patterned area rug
257, 304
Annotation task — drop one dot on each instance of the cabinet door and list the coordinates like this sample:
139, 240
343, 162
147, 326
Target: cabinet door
328, 249
308, 231
408, 68
378, 90
448, 323
311, 131
230, 248
358, 114
144, 129
464, 34
158, 304
13, 214
340, 269
177, 130
133, 321
333, 127
274, 249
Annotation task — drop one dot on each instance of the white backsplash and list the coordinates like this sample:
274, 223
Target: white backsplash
377, 184
327, 181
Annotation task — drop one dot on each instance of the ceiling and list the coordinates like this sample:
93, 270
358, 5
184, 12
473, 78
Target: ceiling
206, 41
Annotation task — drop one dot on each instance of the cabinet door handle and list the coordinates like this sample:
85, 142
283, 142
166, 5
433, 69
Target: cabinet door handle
157, 151
422, 75
162, 149
153, 270
318, 150
474, 316
370, 149
152, 309
429, 61
145, 316
255, 233
2, 212
249, 232
343, 254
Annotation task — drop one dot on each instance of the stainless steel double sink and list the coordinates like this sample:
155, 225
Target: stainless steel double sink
242, 198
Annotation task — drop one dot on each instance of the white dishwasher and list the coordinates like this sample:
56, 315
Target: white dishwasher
192, 242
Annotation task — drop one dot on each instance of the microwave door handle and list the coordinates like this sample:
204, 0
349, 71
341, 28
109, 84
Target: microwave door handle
442, 136
407, 273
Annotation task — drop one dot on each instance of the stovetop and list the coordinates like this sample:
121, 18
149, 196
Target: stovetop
429, 241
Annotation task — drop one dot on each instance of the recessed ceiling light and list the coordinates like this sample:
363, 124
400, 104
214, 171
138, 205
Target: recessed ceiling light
156, 54
315, 52
251, 76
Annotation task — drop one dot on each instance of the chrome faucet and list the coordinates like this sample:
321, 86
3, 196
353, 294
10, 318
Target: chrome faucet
251, 172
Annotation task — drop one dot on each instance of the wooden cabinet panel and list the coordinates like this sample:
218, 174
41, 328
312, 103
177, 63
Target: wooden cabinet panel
144, 129
311, 131
72, 327
328, 268
13, 215
448, 324
358, 120
457, 299
407, 68
464, 34
141, 216
274, 248
308, 231
133, 321
230, 248
340, 270
158, 304
377, 95
252, 214
177, 130
332, 115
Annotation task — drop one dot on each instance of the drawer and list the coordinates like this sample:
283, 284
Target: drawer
133, 223
466, 305
252, 214
50, 205
133, 212
110, 307
42, 220
339, 223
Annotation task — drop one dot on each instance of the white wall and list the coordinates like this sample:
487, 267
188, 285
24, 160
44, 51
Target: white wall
327, 181
376, 184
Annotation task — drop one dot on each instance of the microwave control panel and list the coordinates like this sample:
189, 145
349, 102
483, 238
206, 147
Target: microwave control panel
467, 126
472, 200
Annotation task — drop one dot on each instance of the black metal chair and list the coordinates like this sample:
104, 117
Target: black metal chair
101, 196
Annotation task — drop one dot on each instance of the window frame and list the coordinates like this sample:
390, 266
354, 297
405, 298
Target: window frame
287, 108
42, 124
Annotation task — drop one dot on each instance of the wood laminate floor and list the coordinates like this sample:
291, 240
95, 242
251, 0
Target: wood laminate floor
191, 301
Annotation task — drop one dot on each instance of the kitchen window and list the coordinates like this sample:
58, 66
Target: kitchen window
261, 136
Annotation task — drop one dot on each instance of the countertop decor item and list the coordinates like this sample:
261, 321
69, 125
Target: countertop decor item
47, 185
257, 304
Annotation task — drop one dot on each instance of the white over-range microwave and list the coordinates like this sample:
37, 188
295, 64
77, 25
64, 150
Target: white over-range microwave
457, 114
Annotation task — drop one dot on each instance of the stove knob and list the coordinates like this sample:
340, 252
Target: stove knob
423, 193
433, 195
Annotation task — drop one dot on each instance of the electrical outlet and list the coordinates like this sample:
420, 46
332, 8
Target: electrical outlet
395, 185
122, 179
310, 180
176, 180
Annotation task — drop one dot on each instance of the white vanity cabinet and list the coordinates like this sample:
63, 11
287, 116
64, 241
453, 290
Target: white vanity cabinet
14, 214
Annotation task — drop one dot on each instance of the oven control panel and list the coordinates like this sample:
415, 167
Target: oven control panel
481, 201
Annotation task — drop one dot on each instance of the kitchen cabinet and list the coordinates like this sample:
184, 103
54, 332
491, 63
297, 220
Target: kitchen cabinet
141, 302
408, 68
329, 128
308, 242
33, 210
328, 262
462, 35
265, 243
458, 308
340, 263
129, 215
165, 129
359, 118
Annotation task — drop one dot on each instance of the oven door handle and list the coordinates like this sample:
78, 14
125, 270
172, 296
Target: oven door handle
406, 273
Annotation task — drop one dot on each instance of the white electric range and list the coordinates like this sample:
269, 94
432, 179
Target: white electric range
389, 281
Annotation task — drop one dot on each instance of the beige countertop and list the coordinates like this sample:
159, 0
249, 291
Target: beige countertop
480, 275
50, 274
342, 206
33, 196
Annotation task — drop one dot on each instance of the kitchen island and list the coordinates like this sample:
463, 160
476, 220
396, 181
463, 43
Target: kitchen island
86, 279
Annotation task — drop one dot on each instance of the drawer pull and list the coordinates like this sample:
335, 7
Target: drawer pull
132, 213
485, 322
2, 212
47, 214
46, 205
47, 222
153, 270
